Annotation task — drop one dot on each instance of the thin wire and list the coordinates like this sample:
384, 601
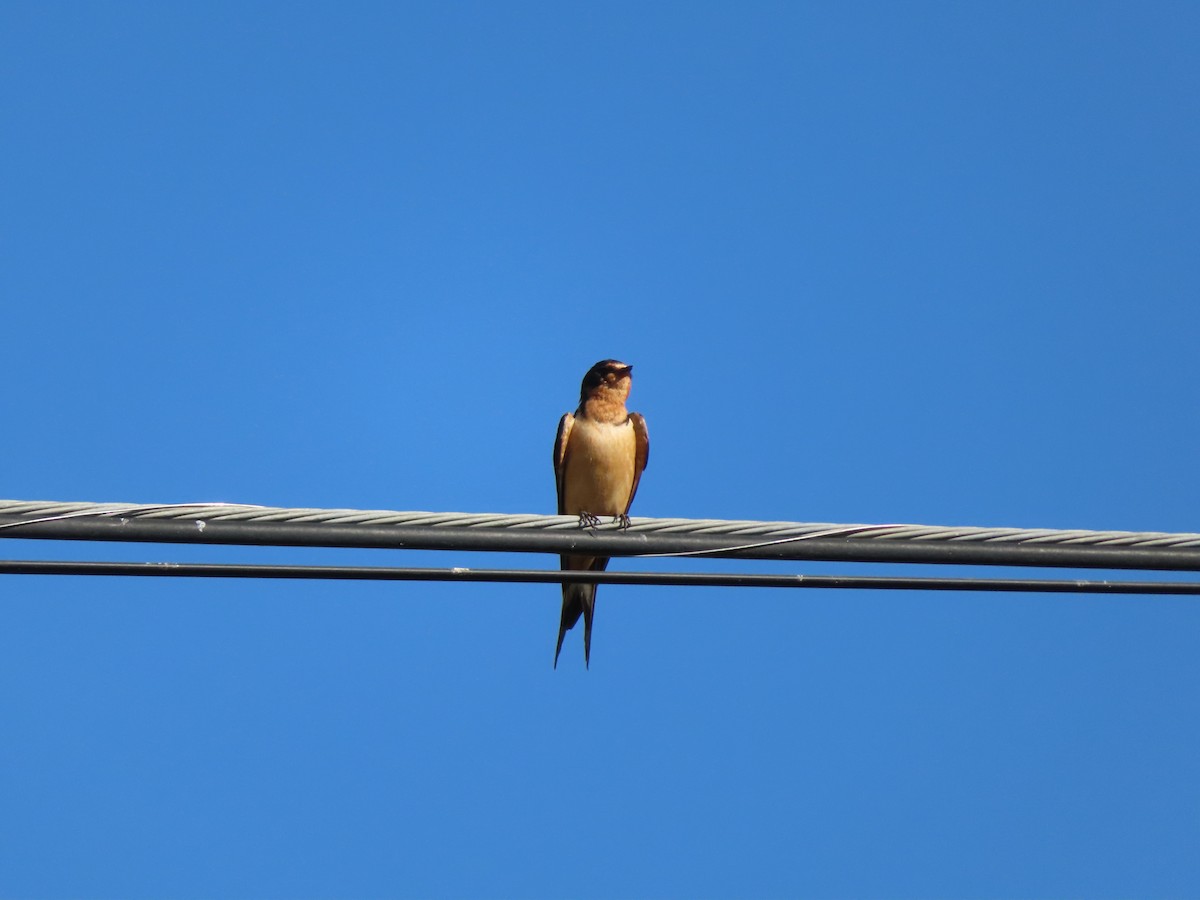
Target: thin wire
543, 576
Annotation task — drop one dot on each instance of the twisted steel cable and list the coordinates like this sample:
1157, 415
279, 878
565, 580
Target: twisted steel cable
224, 523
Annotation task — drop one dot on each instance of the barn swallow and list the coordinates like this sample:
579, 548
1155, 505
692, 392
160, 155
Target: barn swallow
599, 455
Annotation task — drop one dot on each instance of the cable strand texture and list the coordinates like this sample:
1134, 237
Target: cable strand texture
31, 512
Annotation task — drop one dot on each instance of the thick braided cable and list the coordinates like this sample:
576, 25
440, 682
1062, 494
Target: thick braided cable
224, 523
45, 511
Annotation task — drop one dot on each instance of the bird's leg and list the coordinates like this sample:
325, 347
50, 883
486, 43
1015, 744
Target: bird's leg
587, 520
621, 521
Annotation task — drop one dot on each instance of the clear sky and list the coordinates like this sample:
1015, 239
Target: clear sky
873, 262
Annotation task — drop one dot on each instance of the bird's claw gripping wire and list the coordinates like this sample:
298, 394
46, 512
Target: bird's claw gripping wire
587, 520
621, 521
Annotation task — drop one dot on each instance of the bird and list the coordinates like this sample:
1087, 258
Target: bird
600, 453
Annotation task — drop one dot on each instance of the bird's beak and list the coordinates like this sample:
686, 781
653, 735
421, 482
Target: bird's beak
628, 370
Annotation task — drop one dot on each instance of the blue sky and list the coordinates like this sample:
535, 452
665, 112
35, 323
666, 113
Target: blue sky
873, 263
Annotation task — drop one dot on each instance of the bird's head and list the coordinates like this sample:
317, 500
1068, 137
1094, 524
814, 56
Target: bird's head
607, 378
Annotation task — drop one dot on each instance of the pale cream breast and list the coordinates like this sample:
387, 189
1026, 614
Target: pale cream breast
599, 468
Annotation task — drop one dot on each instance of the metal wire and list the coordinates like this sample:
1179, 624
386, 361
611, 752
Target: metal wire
220, 523
540, 576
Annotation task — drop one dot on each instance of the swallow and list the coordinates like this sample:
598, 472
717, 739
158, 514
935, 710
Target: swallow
599, 456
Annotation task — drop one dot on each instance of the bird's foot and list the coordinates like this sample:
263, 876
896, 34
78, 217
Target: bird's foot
587, 520
621, 521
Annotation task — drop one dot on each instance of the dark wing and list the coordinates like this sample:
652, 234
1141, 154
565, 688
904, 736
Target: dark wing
560, 455
641, 456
